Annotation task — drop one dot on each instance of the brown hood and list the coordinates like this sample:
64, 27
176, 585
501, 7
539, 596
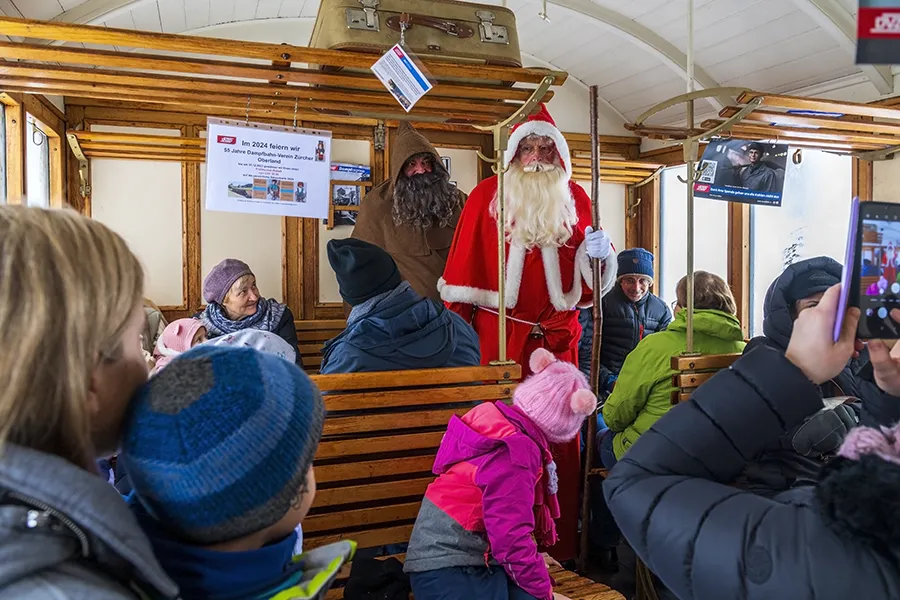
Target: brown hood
408, 142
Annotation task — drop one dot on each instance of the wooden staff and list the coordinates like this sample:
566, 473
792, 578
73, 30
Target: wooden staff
597, 336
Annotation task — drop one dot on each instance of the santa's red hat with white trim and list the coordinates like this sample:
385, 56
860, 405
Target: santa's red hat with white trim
542, 124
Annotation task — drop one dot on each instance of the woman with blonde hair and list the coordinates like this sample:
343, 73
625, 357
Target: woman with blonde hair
71, 306
643, 392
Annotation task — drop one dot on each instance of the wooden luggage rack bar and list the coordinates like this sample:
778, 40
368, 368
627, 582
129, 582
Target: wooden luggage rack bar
230, 83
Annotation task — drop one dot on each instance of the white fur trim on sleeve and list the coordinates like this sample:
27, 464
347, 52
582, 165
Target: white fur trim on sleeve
608, 269
515, 265
541, 128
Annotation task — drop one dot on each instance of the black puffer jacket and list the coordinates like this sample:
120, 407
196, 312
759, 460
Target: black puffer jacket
856, 379
624, 324
707, 540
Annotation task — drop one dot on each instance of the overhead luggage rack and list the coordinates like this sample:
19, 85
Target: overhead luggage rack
233, 80
866, 131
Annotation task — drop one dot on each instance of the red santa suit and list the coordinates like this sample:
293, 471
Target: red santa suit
544, 287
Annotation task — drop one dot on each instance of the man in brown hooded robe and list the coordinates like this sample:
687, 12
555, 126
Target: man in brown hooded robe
413, 215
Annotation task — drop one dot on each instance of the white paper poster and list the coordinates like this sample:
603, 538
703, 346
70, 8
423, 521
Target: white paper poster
402, 78
267, 169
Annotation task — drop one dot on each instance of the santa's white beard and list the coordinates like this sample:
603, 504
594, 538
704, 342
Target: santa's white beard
540, 210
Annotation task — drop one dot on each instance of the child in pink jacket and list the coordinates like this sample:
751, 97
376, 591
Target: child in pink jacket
494, 500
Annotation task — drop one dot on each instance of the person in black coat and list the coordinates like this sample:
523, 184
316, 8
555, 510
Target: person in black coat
800, 287
707, 540
630, 313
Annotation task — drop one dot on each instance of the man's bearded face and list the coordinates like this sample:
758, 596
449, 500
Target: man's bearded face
540, 210
423, 194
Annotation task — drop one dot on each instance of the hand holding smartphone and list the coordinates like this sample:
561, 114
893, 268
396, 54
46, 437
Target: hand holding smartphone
871, 276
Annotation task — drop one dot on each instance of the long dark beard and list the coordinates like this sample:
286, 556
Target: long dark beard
425, 200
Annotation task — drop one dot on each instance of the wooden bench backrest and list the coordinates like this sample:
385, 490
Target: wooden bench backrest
694, 371
378, 446
311, 336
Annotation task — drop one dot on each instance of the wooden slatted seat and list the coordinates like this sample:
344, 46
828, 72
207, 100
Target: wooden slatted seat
311, 336
694, 371
378, 446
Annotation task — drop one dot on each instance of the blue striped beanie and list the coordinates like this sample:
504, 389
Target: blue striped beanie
218, 444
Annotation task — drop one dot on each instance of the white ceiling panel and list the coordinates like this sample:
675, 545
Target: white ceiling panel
39, 9
222, 11
147, 18
196, 13
245, 10
291, 8
268, 9
171, 14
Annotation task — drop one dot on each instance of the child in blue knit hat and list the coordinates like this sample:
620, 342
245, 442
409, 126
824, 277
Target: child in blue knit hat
219, 446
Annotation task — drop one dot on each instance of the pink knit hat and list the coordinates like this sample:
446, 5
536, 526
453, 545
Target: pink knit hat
176, 338
556, 397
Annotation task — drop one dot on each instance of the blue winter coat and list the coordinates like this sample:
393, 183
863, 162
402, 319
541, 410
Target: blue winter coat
402, 331
625, 323
707, 540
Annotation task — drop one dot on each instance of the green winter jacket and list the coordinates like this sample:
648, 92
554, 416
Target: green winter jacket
643, 392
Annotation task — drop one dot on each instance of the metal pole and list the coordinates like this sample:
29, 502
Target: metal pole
689, 288
500, 167
590, 442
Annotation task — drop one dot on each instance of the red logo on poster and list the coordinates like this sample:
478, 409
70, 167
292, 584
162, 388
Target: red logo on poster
226, 139
701, 187
398, 52
879, 22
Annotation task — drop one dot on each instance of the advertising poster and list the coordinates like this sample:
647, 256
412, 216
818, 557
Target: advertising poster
402, 77
742, 171
265, 169
878, 32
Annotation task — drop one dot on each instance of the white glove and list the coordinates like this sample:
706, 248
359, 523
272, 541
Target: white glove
597, 243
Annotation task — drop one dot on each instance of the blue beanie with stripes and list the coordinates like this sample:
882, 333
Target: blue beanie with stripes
219, 443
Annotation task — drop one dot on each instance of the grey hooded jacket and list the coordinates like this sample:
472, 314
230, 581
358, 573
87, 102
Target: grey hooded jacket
66, 534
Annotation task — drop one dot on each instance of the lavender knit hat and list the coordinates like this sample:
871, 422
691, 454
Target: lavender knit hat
222, 277
557, 397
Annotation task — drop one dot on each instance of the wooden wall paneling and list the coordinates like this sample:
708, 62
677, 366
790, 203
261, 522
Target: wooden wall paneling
15, 150
191, 229
739, 260
57, 170
862, 179
74, 121
642, 230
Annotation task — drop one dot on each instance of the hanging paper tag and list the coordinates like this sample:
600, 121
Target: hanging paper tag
401, 76
878, 32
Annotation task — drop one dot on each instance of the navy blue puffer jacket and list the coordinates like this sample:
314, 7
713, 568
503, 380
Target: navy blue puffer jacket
707, 540
625, 323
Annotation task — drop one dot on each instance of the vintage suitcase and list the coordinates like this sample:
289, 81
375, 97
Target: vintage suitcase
445, 30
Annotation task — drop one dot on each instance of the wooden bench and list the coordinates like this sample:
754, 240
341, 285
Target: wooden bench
378, 446
311, 337
694, 371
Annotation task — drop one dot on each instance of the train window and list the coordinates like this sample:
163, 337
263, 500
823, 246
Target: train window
812, 221
2, 153
37, 164
710, 233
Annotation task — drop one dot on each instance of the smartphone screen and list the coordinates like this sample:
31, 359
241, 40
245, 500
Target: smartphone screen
847, 272
876, 281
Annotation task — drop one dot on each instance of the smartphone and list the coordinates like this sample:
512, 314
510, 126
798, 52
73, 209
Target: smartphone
848, 269
875, 281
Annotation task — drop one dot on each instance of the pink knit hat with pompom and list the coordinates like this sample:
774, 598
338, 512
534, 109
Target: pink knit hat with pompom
557, 397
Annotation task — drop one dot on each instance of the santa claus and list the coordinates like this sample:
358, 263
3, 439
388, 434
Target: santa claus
549, 244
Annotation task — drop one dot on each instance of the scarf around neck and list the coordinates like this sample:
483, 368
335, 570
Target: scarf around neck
546, 504
267, 317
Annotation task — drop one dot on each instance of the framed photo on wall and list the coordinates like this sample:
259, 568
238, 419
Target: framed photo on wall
345, 200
